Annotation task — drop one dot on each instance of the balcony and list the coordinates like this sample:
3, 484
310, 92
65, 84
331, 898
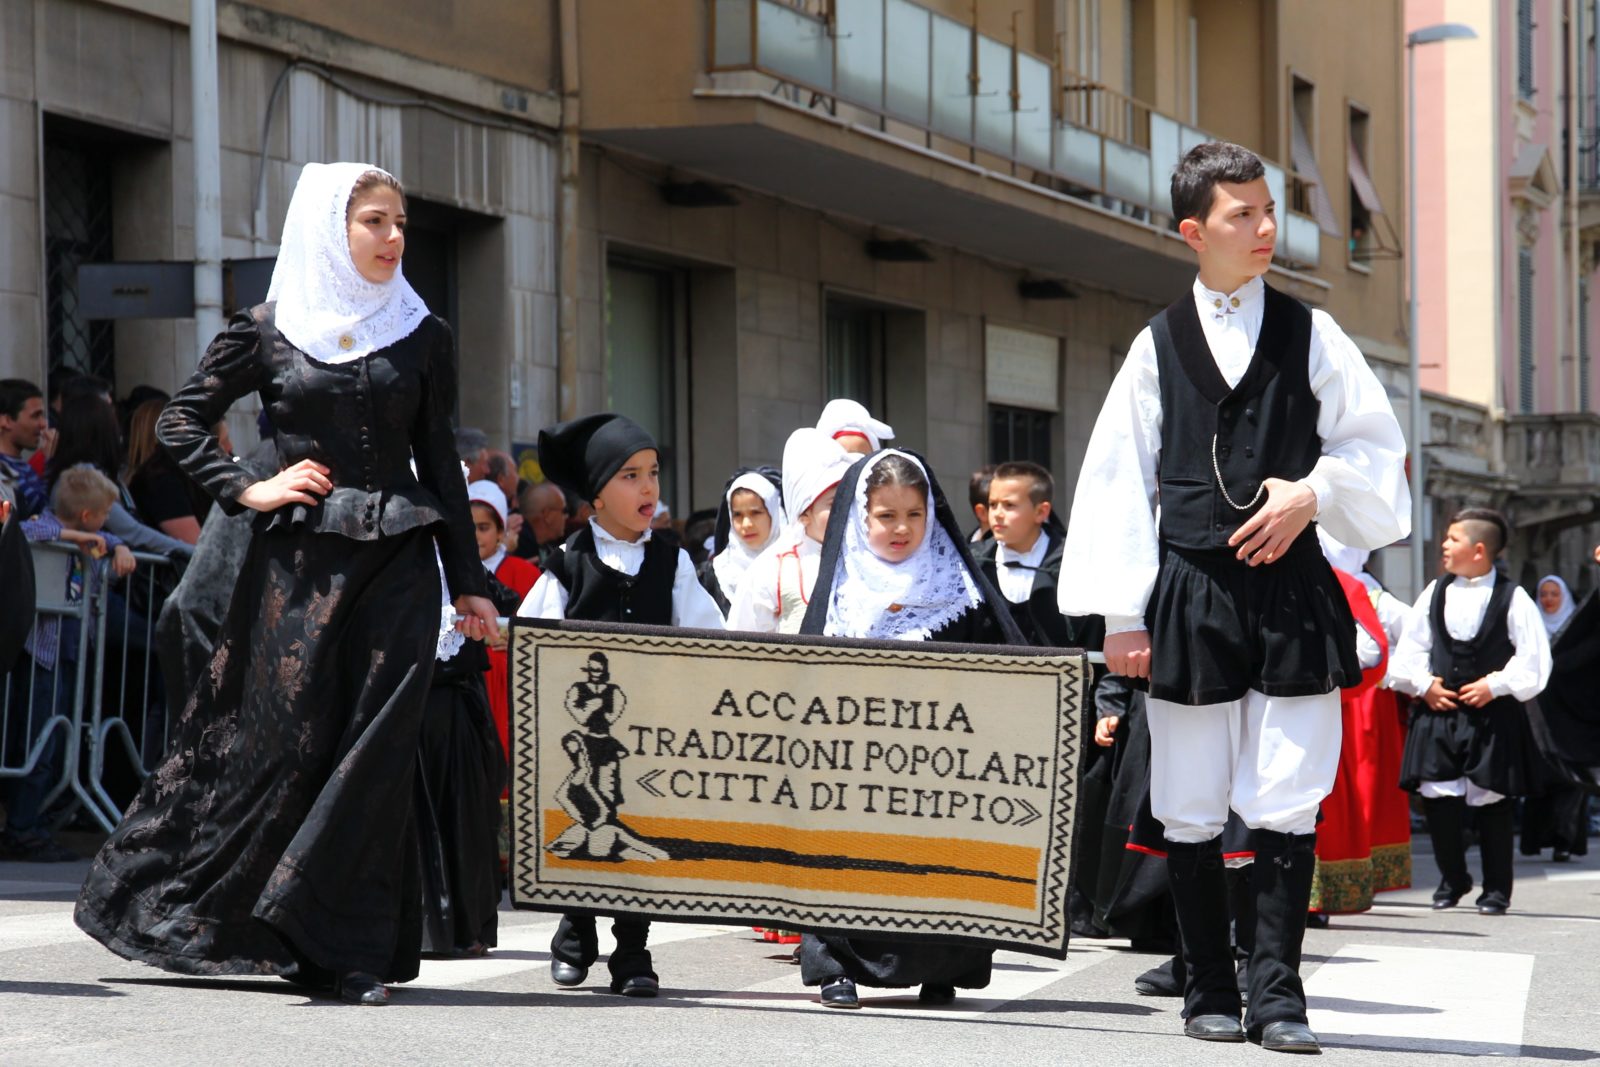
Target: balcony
1555, 460
953, 88
958, 139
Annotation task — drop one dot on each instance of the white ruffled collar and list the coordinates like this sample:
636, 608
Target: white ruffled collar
325, 308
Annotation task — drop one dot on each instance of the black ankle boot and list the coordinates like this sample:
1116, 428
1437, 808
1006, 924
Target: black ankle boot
1281, 877
1447, 829
1495, 835
1200, 895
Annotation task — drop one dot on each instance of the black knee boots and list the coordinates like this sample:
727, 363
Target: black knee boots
1200, 895
1281, 877
1447, 828
1495, 835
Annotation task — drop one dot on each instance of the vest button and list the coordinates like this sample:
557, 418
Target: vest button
1250, 413
1225, 451
1249, 453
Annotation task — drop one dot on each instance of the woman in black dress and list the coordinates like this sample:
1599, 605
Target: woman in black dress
278, 835
896, 567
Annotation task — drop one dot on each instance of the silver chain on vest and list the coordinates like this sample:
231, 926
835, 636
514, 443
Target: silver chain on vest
1217, 467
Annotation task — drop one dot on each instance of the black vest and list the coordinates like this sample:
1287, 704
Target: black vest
1460, 662
1265, 427
598, 593
1038, 617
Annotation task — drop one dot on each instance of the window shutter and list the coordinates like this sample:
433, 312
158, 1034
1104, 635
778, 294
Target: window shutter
1583, 349
1525, 330
1525, 48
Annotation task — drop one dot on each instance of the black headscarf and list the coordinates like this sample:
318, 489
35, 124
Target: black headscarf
1000, 622
582, 455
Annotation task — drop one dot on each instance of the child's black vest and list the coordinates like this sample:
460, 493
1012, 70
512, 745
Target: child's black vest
1265, 427
1038, 617
1490, 649
598, 593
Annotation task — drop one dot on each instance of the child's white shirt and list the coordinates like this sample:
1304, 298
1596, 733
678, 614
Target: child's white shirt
759, 604
1016, 583
1113, 546
1466, 601
692, 606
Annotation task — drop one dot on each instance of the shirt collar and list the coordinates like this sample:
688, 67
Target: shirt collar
492, 564
1245, 299
601, 537
1030, 558
1477, 582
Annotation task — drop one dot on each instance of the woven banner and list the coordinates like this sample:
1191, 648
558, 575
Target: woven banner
917, 791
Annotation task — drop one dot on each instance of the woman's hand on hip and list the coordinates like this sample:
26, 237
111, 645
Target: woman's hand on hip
292, 485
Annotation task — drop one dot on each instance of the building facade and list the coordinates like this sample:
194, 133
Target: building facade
715, 214
1508, 214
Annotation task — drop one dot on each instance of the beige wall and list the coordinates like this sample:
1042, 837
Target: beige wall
784, 262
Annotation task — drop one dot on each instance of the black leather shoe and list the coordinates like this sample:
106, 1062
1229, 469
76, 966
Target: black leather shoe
1493, 904
1447, 897
1161, 981
358, 987
566, 974
1213, 1028
839, 993
1290, 1037
640, 986
933, 993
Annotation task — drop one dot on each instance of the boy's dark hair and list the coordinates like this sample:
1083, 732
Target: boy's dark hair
14, 394
84, 387
896, 469
978, 486
1042, 487
1195, 178
1484, 526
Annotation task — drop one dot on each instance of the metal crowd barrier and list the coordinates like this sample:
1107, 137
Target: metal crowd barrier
106, 698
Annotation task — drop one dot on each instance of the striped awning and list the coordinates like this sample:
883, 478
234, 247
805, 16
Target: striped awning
1305, 167
1361, 182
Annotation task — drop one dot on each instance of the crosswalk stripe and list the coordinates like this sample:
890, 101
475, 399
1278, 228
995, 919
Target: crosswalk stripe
1422, 998
1015, 976
534, 937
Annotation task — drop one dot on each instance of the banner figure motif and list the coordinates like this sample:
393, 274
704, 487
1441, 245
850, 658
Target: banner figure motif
903, 790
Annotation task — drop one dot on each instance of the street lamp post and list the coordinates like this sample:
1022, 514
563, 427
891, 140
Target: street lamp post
1444, 31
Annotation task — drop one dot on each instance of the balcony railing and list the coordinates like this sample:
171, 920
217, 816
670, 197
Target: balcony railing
943, 77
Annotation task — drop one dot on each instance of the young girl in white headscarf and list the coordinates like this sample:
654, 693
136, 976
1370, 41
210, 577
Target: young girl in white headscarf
278, 836
852, 425
895, 567
750, 518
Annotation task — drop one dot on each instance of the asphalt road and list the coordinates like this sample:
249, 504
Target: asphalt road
1398, 985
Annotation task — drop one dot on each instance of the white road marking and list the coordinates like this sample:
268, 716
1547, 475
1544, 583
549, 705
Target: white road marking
1015, 976
1422, 998
534, 937
38, 930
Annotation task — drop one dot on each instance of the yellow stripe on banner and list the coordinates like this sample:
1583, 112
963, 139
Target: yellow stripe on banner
855, 844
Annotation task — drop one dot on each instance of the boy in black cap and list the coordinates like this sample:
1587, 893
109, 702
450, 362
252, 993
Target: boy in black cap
612, 570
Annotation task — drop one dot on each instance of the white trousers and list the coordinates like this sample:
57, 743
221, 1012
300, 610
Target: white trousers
1476, 795
1271, 759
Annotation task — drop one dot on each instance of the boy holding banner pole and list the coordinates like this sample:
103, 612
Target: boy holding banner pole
612, 571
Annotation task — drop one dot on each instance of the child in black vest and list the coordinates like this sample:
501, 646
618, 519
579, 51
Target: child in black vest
1239, 417
1023, 558
612, 570
1474, 649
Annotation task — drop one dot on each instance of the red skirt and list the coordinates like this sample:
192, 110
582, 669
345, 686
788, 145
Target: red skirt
1364, 839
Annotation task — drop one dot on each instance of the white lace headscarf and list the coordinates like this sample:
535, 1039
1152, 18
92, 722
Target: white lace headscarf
932, 586
735, 558
325, 307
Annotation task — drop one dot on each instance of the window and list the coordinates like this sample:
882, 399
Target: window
1525, 27
855, 354
644, 334
1525, 330
1364, 202
1310, 193
1583, 348
1019, 434
77, 230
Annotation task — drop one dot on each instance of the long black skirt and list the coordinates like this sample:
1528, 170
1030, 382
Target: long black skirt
892, 964
462, 772
278, 835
